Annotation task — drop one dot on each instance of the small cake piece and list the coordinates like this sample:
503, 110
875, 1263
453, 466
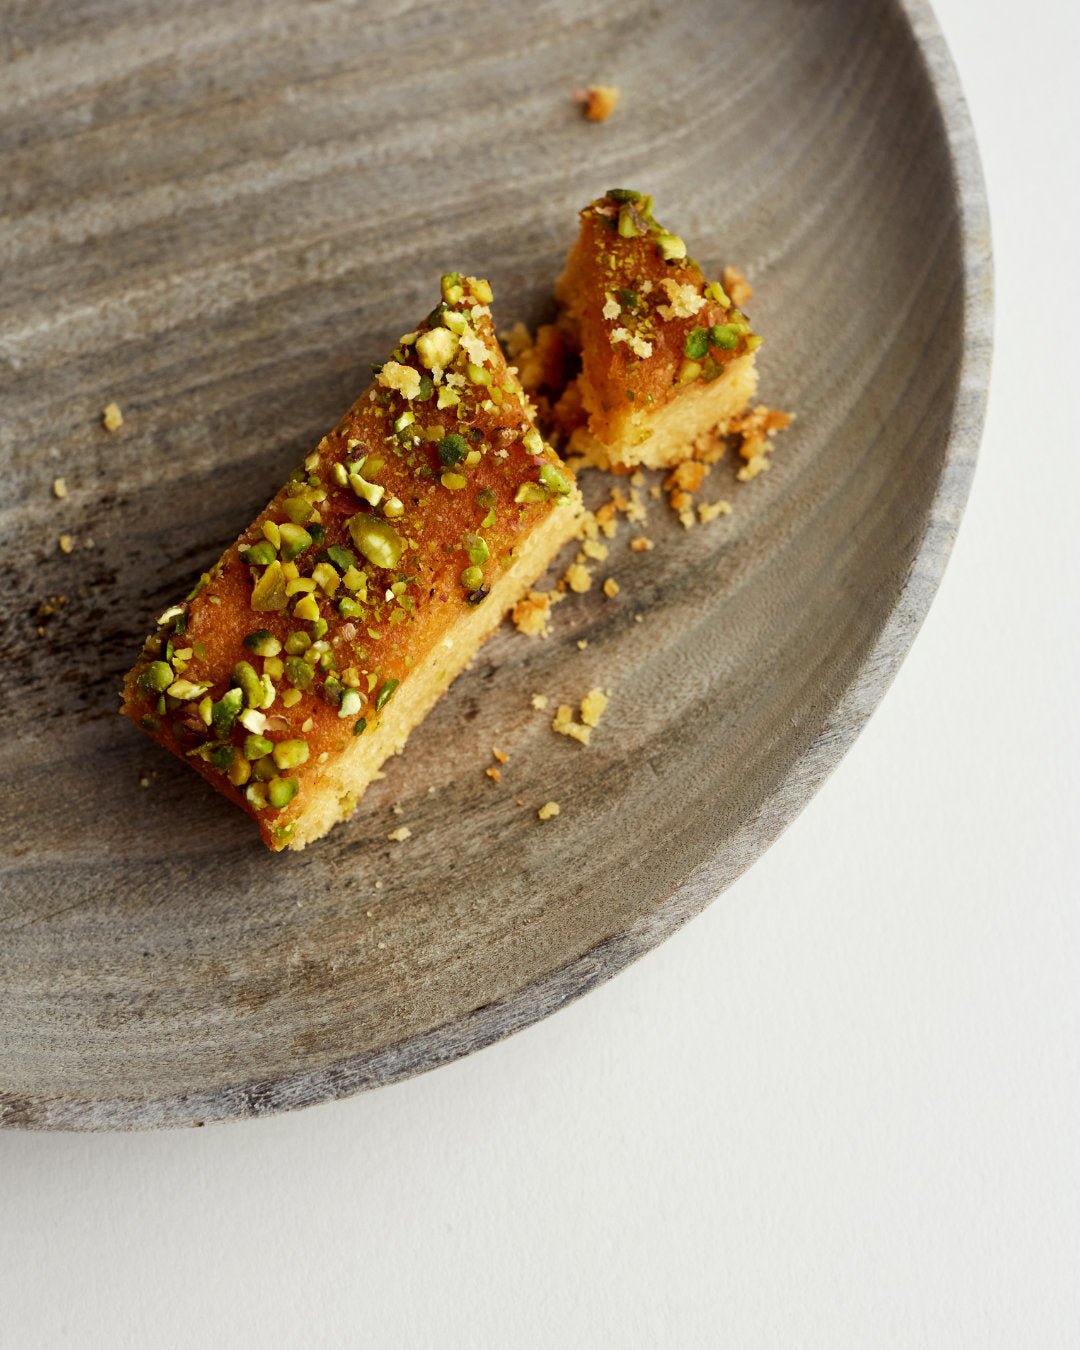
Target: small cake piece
321, 638
667, 360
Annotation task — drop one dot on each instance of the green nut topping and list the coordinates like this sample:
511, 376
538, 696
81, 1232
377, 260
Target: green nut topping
472, 578
531, 492
476, 548
349, 608
156, 678
351, 703
533, 442
255, 796
244, 675
296, 644
696, 345
294, 540
290, 754
264, 769
452, 450
226, 710
258, 555
151, 723
222, 757
333, 691
257, 746
623, 195
318, 534
359, 726
385, 694
377, 540
298, 509
281, 792
670, 247
262, 643
268, 592
342, 558
486, 498
631, 224
299, 674
725, 336
553, 480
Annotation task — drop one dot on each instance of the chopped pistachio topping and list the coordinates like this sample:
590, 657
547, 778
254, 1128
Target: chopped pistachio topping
281, 792
298, 509
294, 540
262, 643
453, 481
268, 592
476, 548
290, 754
255, 747
385, 694
696, 345
307, 607
187, 690
349, 608
297, 643
299, 674
351, 703
341, 557
553, 480
671, 247
156, 677
226, 710
724, 336
452, 450
258, 555
531, 492
533, 442
255, 794
377, 540
359, 726
471, 578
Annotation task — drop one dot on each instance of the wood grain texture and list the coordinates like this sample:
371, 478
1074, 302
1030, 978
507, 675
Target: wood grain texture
217, 215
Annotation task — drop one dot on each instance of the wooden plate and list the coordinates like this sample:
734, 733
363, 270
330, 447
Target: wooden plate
217, 215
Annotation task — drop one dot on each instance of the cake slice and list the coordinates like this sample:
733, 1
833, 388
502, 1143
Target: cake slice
666, 357
325, 633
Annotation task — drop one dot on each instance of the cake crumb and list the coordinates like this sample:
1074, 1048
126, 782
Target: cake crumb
494, 774
378, 885
639, 618
144, 782
710, 510
592, 707
605, 519
641, 543
112, 417
539, 702
66, 543
548, 810
578, 578
611, 588
594, 549
738, 288
565, 725
687, 476
600, 101
399, 835
59, 488
532, 613
582, 644
500, 755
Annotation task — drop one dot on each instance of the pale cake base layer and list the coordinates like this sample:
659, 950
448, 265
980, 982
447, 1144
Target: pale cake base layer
344, 779
698, 410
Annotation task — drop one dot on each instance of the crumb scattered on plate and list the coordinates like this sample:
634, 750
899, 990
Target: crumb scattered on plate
112, 417
548, 810
600, 101
399, 835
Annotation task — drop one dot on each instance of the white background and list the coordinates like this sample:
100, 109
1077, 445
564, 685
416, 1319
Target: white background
840, 1109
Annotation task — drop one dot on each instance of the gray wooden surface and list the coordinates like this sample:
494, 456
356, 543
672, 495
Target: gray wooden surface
217, 215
